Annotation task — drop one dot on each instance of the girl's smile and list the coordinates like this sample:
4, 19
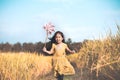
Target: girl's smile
58, 38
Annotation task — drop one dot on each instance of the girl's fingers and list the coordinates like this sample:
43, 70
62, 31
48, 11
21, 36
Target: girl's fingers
44, 49
73, 51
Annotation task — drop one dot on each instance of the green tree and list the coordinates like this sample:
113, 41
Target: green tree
69, 41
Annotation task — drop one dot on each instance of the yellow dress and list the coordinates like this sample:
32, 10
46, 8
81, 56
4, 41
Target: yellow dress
60, 63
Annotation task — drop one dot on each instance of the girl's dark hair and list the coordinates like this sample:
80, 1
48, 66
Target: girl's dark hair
53, 38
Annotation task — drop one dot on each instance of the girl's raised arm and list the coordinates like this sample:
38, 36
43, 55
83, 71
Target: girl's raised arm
49, 52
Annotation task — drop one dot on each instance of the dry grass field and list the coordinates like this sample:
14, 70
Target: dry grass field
96, 60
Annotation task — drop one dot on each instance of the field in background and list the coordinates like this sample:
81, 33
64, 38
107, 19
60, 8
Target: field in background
96, 60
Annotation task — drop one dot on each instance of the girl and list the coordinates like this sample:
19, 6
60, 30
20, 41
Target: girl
60, 63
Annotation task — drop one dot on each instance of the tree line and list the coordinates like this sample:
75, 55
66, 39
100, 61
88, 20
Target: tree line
34, 47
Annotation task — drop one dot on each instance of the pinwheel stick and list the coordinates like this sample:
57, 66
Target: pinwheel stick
46, 38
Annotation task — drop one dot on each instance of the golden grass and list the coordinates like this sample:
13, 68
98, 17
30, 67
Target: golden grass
23, 66
102, 56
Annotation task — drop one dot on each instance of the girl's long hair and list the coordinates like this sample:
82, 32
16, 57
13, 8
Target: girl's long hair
53, 38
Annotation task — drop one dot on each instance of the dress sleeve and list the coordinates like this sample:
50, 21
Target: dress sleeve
53, 48
66, 46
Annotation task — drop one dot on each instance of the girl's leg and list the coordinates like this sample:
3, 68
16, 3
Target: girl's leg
60, 77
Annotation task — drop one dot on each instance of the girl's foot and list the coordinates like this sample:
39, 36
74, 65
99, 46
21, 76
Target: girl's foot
60, 77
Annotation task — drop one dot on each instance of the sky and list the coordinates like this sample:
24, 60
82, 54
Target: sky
23, 20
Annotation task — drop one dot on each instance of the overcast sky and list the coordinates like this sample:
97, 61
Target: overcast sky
23, 20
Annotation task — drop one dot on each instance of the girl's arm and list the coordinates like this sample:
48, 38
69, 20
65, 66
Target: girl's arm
71, 51
49, 52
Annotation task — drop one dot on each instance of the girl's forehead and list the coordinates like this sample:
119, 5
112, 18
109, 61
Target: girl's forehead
58, 34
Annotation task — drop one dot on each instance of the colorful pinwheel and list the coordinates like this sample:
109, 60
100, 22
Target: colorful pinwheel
49, 29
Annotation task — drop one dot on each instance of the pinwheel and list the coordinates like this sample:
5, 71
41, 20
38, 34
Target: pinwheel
49, 28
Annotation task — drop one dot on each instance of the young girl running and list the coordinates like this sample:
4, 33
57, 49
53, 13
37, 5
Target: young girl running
60, 63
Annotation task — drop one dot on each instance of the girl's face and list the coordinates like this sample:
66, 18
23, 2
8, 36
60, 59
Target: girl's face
58, 38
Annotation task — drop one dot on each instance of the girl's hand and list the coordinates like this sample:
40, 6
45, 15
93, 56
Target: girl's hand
44, 49
73, 51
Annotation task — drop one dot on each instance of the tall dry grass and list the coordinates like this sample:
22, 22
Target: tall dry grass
100, 59
23, 66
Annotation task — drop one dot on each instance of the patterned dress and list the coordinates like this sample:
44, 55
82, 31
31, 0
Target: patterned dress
60, 63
